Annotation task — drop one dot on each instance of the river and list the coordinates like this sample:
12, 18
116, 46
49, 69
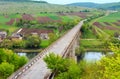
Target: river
91, 56
87, 56
29, 55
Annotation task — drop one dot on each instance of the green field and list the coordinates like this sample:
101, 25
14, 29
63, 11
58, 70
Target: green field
113, 17
15, 10
44, 43
52, 16
3, 19
90, 44
95, 36
55, 16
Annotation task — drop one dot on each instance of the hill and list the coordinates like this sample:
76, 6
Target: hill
24, 1
15, 0
33, 7
109, 6
85, 4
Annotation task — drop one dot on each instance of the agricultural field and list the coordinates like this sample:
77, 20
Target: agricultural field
9, 22
113, 17
110, 24
89, 44
40, 14
44, 16
99, 30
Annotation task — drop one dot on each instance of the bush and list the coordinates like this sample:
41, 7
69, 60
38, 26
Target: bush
9, 62
6, 70
33, 41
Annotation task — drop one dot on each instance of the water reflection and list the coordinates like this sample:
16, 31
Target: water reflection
29, 55
93, 56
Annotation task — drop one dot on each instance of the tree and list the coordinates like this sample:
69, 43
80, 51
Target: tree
106, 44
6, 70
115, 41
18, 44
22, 60
15, 61
63, 68
85, 28
52, 37
18, 61
107, 68
56, 63
20, 23
6, 43
5, 55
73, 72
116, 34
12, 58
33, 41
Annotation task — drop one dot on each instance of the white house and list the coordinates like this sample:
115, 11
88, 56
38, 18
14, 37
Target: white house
3, 35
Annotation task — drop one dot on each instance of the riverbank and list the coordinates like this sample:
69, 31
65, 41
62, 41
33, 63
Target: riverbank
93, 45
28, 50
97, 49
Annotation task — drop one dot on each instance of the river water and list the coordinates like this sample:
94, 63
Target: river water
87, 56
29, 55
92, 56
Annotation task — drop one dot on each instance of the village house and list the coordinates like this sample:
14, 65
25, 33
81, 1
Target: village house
16, 36
44, 36
3, 35
43, 33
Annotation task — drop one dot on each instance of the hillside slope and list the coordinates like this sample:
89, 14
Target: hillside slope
34, 7
85, 4
110, 6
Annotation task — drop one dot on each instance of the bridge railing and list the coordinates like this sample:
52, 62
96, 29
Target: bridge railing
20, 71
64, 52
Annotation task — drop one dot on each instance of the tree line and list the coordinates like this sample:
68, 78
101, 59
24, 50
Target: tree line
10, 62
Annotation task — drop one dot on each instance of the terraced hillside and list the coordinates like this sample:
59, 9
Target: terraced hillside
109, 24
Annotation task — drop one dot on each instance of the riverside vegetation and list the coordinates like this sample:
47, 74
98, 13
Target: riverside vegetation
10, 62
97, 37
106, 68
60, 19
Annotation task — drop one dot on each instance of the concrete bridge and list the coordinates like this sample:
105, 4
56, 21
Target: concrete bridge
65, 47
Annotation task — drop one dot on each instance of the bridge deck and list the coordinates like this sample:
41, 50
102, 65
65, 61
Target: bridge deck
39, 70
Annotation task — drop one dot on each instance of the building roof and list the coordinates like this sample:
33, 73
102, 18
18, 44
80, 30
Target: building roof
3, 33
26, 31
15, 35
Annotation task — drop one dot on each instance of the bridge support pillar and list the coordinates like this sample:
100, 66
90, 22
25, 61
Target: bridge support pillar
71, 51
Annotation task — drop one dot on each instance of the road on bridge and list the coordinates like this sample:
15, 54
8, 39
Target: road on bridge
39, 69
